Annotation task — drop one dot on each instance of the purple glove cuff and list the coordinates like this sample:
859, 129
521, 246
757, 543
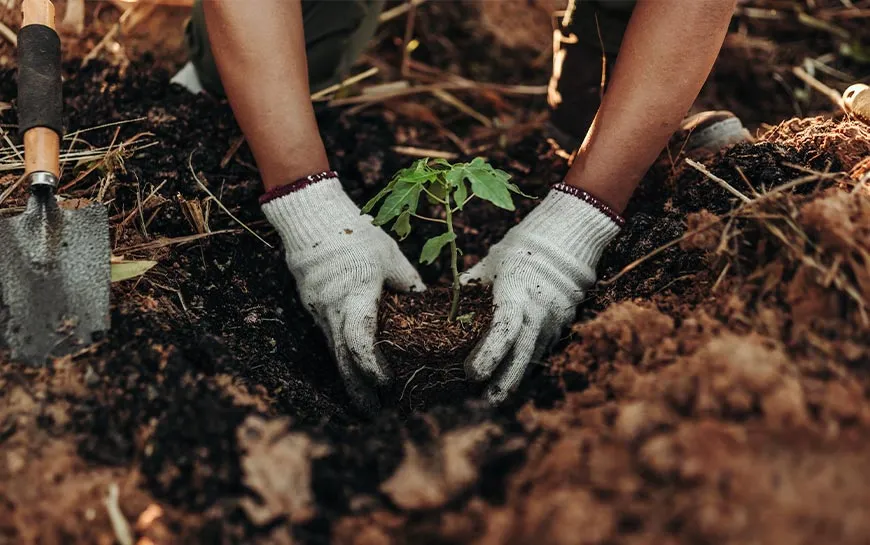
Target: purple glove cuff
280, 191
590, 199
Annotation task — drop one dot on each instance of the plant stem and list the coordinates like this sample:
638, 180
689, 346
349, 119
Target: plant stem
454, 253
435, 220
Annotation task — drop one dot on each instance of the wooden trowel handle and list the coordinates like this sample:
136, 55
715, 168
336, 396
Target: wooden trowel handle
39, 88
856, 99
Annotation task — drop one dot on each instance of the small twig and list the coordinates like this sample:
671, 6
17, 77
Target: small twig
391, 14
728, 187
322, 94
746, 180
116, 517
733, 213
110, 35
462, 107
408, 37
804, 76
106, 125
634, 264
822, 66
164, 242
168, 288
818, 24
219, 203
721, 276
132, 214
9, 190
14, 149
450, 86
9, 34
145, 8
234, 147
424, 152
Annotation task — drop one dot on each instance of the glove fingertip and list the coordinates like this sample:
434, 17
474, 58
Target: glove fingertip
362, 396
481, 362
474, 274
418, 286
495, 395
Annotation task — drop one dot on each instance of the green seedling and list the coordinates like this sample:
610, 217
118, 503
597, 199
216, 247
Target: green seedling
451, 187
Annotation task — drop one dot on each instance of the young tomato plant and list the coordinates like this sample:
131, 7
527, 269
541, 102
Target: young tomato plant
447, 185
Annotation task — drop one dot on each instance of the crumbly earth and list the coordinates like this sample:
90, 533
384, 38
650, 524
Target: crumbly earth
425, 349
714, 388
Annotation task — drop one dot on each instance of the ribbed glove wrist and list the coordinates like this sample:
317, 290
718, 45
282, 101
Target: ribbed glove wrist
570, 223
315, 212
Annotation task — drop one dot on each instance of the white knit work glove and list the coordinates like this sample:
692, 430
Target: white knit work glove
539, 272
340, 262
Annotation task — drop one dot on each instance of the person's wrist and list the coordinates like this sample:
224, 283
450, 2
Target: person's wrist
298, 154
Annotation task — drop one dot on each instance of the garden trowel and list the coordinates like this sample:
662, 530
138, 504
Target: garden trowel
54, 263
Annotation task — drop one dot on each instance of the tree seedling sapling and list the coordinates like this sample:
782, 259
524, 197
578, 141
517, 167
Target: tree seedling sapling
449, 186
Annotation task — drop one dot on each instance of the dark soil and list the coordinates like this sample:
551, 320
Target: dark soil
717, 392
425, 349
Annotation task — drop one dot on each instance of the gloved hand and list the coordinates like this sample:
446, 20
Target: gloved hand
340, 262
539, 272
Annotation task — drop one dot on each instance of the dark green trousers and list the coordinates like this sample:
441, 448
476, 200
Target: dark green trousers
598, 22
585, 49
336, 33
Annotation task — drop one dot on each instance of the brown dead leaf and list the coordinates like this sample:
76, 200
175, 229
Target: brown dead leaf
429, 478
277, 467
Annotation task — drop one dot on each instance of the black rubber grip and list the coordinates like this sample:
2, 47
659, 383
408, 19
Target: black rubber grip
40, 102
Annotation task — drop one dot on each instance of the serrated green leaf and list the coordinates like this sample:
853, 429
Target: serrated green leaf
439, 162
418, 172
433, 247
381, 194
488, 183
404, 196
126, 270
514, 189
402, 227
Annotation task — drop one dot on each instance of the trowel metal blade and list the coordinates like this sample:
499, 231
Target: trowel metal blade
55, 274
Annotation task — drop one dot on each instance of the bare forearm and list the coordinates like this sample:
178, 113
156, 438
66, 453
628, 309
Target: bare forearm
666, 55
260, 54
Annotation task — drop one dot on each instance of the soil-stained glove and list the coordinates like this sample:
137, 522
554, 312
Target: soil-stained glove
340, 262
539, 272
